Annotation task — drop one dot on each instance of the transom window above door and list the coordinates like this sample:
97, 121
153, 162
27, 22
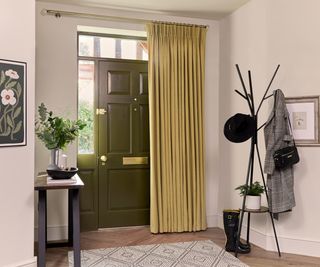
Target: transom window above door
112, 47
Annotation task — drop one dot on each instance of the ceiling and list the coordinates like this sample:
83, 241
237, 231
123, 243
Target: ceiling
208, 9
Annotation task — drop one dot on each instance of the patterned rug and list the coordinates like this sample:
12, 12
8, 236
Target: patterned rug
184, 254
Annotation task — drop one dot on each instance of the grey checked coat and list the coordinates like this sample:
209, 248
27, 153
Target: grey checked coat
277, 135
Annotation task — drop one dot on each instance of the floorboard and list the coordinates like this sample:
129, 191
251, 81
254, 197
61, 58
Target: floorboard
57, 257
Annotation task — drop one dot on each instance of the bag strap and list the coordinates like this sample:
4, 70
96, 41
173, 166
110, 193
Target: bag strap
294, 143
274, 106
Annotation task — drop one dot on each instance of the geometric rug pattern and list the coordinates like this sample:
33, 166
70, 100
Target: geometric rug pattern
183, 254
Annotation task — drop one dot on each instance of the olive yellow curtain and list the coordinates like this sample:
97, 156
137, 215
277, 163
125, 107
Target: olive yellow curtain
176, 85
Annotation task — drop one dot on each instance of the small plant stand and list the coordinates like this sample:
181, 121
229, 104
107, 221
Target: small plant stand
254, 148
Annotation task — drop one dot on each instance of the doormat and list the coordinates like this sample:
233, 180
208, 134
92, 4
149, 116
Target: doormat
184, 254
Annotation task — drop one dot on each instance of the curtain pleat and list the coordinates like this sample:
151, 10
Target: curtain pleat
176, 85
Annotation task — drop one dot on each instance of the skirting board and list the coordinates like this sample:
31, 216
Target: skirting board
295, 246
54, 233
212, 220
286, 244
28, 263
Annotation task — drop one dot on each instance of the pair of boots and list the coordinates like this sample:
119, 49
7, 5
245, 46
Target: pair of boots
231, 224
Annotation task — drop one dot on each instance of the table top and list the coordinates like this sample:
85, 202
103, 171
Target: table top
41, 183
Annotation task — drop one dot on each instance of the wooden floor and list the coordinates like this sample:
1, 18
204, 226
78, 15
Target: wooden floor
141, 236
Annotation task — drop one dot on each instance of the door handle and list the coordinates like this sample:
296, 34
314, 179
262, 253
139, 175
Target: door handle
103, 158
101, 111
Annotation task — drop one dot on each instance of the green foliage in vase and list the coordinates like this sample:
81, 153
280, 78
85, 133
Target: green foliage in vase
252, 190
56, 132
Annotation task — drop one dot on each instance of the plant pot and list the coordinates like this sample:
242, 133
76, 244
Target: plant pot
253, 202
54, 159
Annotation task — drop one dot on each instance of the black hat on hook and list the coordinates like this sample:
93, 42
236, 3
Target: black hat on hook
239, 128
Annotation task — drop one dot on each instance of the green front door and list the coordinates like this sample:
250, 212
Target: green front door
124, 175
116, 174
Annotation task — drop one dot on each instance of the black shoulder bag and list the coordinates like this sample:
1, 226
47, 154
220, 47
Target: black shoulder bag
287, 156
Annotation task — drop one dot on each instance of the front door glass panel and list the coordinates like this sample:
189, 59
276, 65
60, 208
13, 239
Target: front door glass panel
86, 106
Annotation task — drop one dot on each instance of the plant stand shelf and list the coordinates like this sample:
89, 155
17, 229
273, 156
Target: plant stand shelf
261, 210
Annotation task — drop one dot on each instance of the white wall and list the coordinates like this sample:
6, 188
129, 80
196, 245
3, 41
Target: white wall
17, 22
56, 85
258, 36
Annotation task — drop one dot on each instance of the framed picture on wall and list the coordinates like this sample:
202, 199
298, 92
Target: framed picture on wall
304, 118
13, 83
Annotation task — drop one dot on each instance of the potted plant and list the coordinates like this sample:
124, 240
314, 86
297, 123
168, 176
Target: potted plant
253, 195
56, 133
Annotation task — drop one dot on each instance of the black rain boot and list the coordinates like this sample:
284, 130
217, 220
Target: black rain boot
230, 222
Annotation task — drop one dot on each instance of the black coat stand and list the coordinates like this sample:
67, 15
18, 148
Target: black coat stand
254, 148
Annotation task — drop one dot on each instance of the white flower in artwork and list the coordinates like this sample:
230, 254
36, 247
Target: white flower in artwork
12, 74
7, 96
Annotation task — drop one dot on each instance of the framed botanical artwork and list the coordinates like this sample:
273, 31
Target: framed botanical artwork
304, 118
13, 83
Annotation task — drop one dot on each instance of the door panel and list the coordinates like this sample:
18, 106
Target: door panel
144, 144
86, 197
119, 83
132, 183
143, 86
124, 194
89, 193
119, 128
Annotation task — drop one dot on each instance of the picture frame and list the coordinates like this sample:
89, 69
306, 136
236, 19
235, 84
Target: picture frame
304, 118
13, 103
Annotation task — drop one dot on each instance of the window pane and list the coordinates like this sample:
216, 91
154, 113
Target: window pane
108, 47
129, 49
86, 106
85, 46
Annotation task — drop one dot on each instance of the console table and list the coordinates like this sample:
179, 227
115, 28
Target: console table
42, 186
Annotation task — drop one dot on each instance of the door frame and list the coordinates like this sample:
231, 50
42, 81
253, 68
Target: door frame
90, 220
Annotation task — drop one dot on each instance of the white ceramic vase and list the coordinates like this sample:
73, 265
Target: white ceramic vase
253, 202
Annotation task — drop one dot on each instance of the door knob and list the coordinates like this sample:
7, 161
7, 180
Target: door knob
103, 158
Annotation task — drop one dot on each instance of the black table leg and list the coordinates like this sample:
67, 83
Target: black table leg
46, 223
70, 219
76, 227
42, 206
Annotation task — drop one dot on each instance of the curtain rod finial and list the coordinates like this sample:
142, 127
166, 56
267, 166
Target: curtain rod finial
44, 12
